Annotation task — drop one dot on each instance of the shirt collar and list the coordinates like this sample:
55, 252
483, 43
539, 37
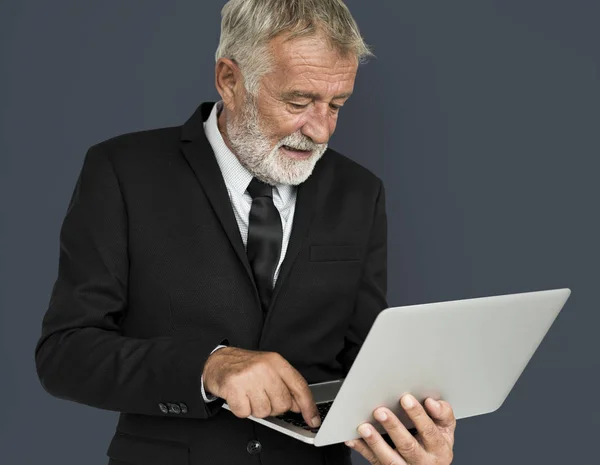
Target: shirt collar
235, 174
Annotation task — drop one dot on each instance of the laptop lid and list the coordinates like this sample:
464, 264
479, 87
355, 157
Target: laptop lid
468, 352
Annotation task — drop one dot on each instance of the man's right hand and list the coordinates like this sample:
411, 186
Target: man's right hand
260, 384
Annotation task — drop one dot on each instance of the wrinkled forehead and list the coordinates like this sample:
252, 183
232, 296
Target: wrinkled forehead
311, 64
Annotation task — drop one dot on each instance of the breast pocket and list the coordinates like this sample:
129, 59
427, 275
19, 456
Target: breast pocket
335, 253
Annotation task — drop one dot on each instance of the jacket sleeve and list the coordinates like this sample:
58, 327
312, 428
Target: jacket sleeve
81, 355
371, 296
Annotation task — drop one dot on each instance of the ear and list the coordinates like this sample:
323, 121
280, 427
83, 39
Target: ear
229, 82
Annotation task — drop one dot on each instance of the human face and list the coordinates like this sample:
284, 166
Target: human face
281, 134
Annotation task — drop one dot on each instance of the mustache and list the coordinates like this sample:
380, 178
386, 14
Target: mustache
299, 141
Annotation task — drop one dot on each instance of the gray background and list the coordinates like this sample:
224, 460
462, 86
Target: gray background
482, 117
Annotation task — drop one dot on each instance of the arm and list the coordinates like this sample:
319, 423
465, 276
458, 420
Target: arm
81, 355
371, 296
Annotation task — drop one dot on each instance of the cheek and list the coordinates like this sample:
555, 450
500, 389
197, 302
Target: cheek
287, 125
333, 123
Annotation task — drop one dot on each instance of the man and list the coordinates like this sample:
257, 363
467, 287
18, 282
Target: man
235, 258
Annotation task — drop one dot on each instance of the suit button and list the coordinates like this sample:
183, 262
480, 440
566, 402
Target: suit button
254, 447
174, 408
183, 407
163, 408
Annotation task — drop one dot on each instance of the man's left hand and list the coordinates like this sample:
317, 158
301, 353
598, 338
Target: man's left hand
432, 445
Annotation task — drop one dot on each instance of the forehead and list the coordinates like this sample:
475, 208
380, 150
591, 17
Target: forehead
310, 64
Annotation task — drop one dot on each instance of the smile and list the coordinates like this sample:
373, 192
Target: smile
296, 153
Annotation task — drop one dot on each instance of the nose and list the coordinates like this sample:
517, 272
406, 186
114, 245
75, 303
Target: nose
318, 125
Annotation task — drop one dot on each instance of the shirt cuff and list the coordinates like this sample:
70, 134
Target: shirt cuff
207, 396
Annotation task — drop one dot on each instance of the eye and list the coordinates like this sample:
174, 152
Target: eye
297, 106
335, 107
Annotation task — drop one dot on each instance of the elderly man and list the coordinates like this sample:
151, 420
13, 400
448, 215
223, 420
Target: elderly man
235, 258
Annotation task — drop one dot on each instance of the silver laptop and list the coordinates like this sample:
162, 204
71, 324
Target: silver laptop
467, 352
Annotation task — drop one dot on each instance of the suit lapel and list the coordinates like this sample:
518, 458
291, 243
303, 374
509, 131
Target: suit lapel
200, 156
305, 207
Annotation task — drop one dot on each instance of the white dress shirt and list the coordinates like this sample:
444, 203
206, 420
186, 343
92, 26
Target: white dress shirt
237, 178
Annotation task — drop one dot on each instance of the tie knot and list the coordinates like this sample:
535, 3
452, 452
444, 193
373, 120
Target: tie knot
258, 188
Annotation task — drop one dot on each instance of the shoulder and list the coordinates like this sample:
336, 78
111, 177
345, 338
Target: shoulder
133, 147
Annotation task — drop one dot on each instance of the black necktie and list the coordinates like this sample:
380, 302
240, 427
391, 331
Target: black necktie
265, 236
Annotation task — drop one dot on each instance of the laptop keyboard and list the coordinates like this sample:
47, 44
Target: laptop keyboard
297, 420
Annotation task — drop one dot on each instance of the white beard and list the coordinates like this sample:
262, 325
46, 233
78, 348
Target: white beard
270, 165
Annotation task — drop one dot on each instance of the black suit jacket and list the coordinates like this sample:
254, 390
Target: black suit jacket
153, 275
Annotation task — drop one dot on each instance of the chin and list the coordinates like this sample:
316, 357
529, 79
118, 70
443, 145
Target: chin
294, 177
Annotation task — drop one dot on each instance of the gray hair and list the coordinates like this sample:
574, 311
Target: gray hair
248, 25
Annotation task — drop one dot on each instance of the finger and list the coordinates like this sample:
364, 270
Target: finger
260, 404
443, 415
295, 406
360, 446
429, 433
381, 449
404, 441
280, 398
302, 394
239, 405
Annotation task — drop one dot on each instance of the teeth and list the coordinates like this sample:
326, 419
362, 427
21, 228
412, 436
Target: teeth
294, 149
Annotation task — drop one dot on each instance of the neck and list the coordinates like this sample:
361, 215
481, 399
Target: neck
222, 125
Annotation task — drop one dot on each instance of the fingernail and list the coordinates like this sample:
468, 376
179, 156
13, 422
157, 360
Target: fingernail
408, 401
380, 415
436, 403
316, 422
364, 430
349, 443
